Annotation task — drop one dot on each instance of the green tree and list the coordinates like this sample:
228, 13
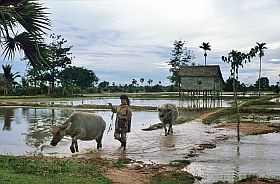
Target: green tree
228, 86
34, 77
103, 84
59, 59
181, 56
9, 78
80, 77
134, 82
205, 47
264, 84
142, 80
236, 60
150, 81
29, 17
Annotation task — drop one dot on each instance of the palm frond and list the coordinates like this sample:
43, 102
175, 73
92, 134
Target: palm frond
34, 49
32, 16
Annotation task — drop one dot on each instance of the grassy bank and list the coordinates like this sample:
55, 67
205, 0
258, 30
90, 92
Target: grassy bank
84, 170
26, 170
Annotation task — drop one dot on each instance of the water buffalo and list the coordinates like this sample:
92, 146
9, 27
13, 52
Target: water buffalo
80, 125
167, 114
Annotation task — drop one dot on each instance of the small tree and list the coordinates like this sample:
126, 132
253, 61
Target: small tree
236, 60
9, 78
181, 56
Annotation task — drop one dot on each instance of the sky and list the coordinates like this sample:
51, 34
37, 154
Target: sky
124, 39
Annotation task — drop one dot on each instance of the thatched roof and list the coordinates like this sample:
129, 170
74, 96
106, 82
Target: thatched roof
201, 71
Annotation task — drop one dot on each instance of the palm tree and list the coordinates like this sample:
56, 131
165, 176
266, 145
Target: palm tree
260, 49
236, 59
134, 82
29, 15
142, 80
150, 81
9, 78
205, 47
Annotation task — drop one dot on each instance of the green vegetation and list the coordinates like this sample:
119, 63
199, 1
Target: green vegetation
24, 170
180, 163
171, 177
256, 108
251, 179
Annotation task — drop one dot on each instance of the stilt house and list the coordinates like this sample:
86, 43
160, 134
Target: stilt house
206, 79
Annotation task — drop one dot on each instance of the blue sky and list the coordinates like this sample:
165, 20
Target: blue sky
125, 39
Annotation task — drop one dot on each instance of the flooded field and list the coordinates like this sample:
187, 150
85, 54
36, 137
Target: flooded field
151, 102
25, 130
231, 161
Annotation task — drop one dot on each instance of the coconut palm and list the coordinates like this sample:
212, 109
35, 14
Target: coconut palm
9, 78
260, 49
205, 47
142, 80
29, 16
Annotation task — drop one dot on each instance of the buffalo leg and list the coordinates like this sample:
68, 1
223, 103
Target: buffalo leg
170, 129
72, 149
99, 142
76, 146
165, 129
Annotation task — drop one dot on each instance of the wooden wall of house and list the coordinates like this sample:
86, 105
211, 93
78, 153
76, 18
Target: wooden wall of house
201, 84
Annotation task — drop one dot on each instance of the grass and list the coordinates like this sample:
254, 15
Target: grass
250, 179
121, 163
24, 170
179, 163
261, 107
172, 177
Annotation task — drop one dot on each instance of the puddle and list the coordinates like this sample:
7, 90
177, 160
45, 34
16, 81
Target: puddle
231, 161
275, 100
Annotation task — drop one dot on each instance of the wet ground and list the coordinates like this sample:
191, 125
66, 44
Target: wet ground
26, 129
230, 161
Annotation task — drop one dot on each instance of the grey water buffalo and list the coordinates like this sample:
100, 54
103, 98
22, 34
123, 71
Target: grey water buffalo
80, 125
167, 114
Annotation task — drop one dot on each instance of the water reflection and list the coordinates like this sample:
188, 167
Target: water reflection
189, 103
236, 168
7, 114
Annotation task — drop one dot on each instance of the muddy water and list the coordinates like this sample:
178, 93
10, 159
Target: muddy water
23, 130
231, 161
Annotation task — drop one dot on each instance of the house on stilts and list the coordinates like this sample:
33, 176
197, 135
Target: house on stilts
202, 81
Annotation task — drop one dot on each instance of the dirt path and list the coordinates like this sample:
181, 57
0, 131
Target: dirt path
206, 115
127, 176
